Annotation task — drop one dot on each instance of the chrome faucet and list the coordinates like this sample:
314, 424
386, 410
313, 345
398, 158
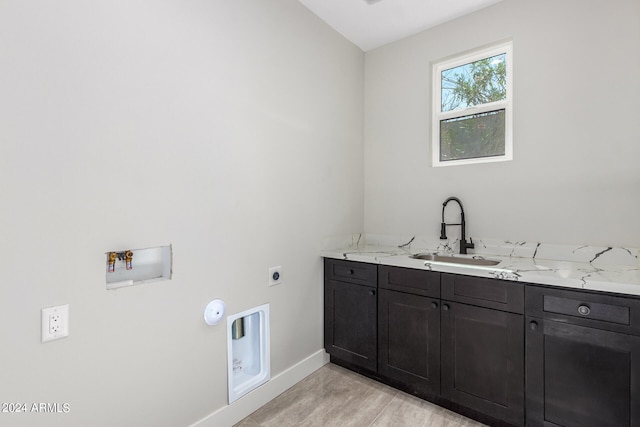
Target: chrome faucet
443, 227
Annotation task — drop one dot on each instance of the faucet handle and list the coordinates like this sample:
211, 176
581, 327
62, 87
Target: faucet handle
470, 245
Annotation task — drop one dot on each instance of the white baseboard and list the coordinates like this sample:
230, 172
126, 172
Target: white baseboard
229, 415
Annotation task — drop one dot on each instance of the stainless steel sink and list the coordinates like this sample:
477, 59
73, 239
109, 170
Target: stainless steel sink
455, 260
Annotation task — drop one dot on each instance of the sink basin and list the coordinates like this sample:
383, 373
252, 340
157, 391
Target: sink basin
455, 260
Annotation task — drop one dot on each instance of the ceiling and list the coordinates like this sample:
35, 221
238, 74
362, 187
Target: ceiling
372, 23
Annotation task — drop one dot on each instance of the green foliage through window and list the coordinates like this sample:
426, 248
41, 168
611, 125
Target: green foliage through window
472, 107
469, 137
477, 83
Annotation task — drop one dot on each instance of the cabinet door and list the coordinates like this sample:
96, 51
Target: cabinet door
581, 377
483, 360
409, 341
350, 323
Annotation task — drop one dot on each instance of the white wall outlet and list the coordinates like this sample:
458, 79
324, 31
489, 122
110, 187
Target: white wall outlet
55, 322
275, 275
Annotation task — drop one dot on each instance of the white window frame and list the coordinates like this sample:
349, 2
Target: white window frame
437, 114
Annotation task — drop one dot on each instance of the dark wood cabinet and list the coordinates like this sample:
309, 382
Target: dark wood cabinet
482, 349
500, 351
483, 360
500, 295
350, 312
409, 329
583, 367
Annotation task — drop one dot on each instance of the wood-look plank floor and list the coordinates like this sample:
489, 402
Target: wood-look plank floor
334, 396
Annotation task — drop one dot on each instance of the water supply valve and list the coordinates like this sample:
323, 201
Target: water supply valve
128, 255
112, 261
125, 256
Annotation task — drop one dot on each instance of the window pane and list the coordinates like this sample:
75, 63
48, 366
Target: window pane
468, 137
475, 83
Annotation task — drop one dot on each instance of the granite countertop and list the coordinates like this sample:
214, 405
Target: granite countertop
607, 269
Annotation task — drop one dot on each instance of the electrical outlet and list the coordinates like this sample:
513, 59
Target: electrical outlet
55, 322
275, 275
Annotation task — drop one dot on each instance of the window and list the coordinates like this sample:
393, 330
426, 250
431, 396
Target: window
471, 119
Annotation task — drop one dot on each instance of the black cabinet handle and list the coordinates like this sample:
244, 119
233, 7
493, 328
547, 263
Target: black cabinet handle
533, 325
445, 307
351, 272
372, 292
584, 310
434, 304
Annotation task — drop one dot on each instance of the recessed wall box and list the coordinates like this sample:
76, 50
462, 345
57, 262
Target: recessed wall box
134, 266
248, 351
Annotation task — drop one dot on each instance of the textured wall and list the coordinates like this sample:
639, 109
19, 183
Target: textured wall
575, 174
230, 129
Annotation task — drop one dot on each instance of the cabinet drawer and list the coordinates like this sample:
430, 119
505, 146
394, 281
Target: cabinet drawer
596, 310
491, 293
417, 282
351, 271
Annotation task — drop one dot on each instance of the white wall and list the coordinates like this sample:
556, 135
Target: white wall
230, 129
575, 177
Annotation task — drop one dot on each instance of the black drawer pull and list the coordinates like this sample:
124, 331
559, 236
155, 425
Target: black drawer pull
434, 304
445, 307
534, 325
372, 292
584, 310
351, 272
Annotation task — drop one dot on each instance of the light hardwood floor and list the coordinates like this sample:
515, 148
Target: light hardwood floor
334, 396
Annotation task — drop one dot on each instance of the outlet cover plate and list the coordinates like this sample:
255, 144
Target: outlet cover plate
55, 322
275, 276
